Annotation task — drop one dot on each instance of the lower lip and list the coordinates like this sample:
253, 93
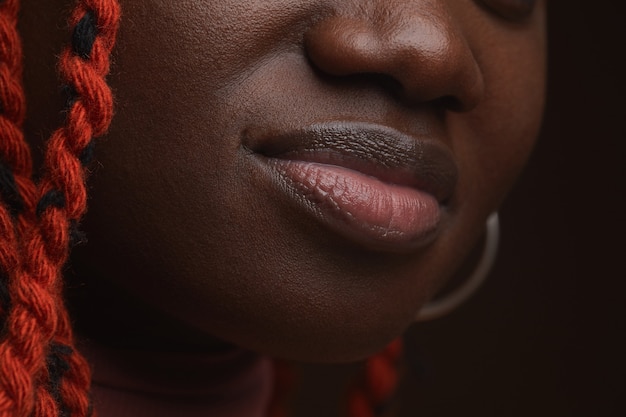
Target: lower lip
363, 208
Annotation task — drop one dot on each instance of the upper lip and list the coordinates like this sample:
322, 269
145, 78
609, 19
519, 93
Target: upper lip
382, 152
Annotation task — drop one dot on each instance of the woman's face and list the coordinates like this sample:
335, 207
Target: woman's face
299, 177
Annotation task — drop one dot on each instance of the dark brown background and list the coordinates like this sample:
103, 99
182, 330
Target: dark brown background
546, 335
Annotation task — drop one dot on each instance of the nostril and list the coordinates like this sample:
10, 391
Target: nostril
417, 57
364, 80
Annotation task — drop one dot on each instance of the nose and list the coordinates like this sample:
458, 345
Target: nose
416, 43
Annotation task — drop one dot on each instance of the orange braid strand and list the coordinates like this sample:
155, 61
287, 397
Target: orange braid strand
16, 191
372, 396
16, 187
369, 396
46, 376
284, 380
84, 67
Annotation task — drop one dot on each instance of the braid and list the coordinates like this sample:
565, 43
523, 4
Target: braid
14, 151
15, 158
83, 66
372, 395
43, 375
16, 191
16, 187
368, 396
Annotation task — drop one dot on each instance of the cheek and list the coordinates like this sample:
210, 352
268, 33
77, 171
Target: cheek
494, 141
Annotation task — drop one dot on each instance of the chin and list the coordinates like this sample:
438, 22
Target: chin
324, 338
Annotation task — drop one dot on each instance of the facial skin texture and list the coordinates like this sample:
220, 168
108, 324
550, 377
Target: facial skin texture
183, 220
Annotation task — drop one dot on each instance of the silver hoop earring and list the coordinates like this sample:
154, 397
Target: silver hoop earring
443, 306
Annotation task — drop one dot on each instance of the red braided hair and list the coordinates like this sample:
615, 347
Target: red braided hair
41, 372
16, 188
373, 395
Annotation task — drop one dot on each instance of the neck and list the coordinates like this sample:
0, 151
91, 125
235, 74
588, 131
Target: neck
141, 383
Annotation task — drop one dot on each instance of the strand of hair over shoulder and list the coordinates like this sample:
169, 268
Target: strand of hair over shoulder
41, 372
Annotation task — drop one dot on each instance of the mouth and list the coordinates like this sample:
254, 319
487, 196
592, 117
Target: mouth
372, 184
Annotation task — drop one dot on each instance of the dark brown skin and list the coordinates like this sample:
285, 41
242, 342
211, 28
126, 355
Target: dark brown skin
188, 240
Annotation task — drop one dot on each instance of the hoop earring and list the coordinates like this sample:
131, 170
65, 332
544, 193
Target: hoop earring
441, 307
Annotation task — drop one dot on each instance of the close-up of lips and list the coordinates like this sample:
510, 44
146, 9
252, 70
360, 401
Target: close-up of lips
373, 184
364, 208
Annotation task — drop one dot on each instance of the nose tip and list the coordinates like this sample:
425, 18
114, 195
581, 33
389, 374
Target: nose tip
424, 52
